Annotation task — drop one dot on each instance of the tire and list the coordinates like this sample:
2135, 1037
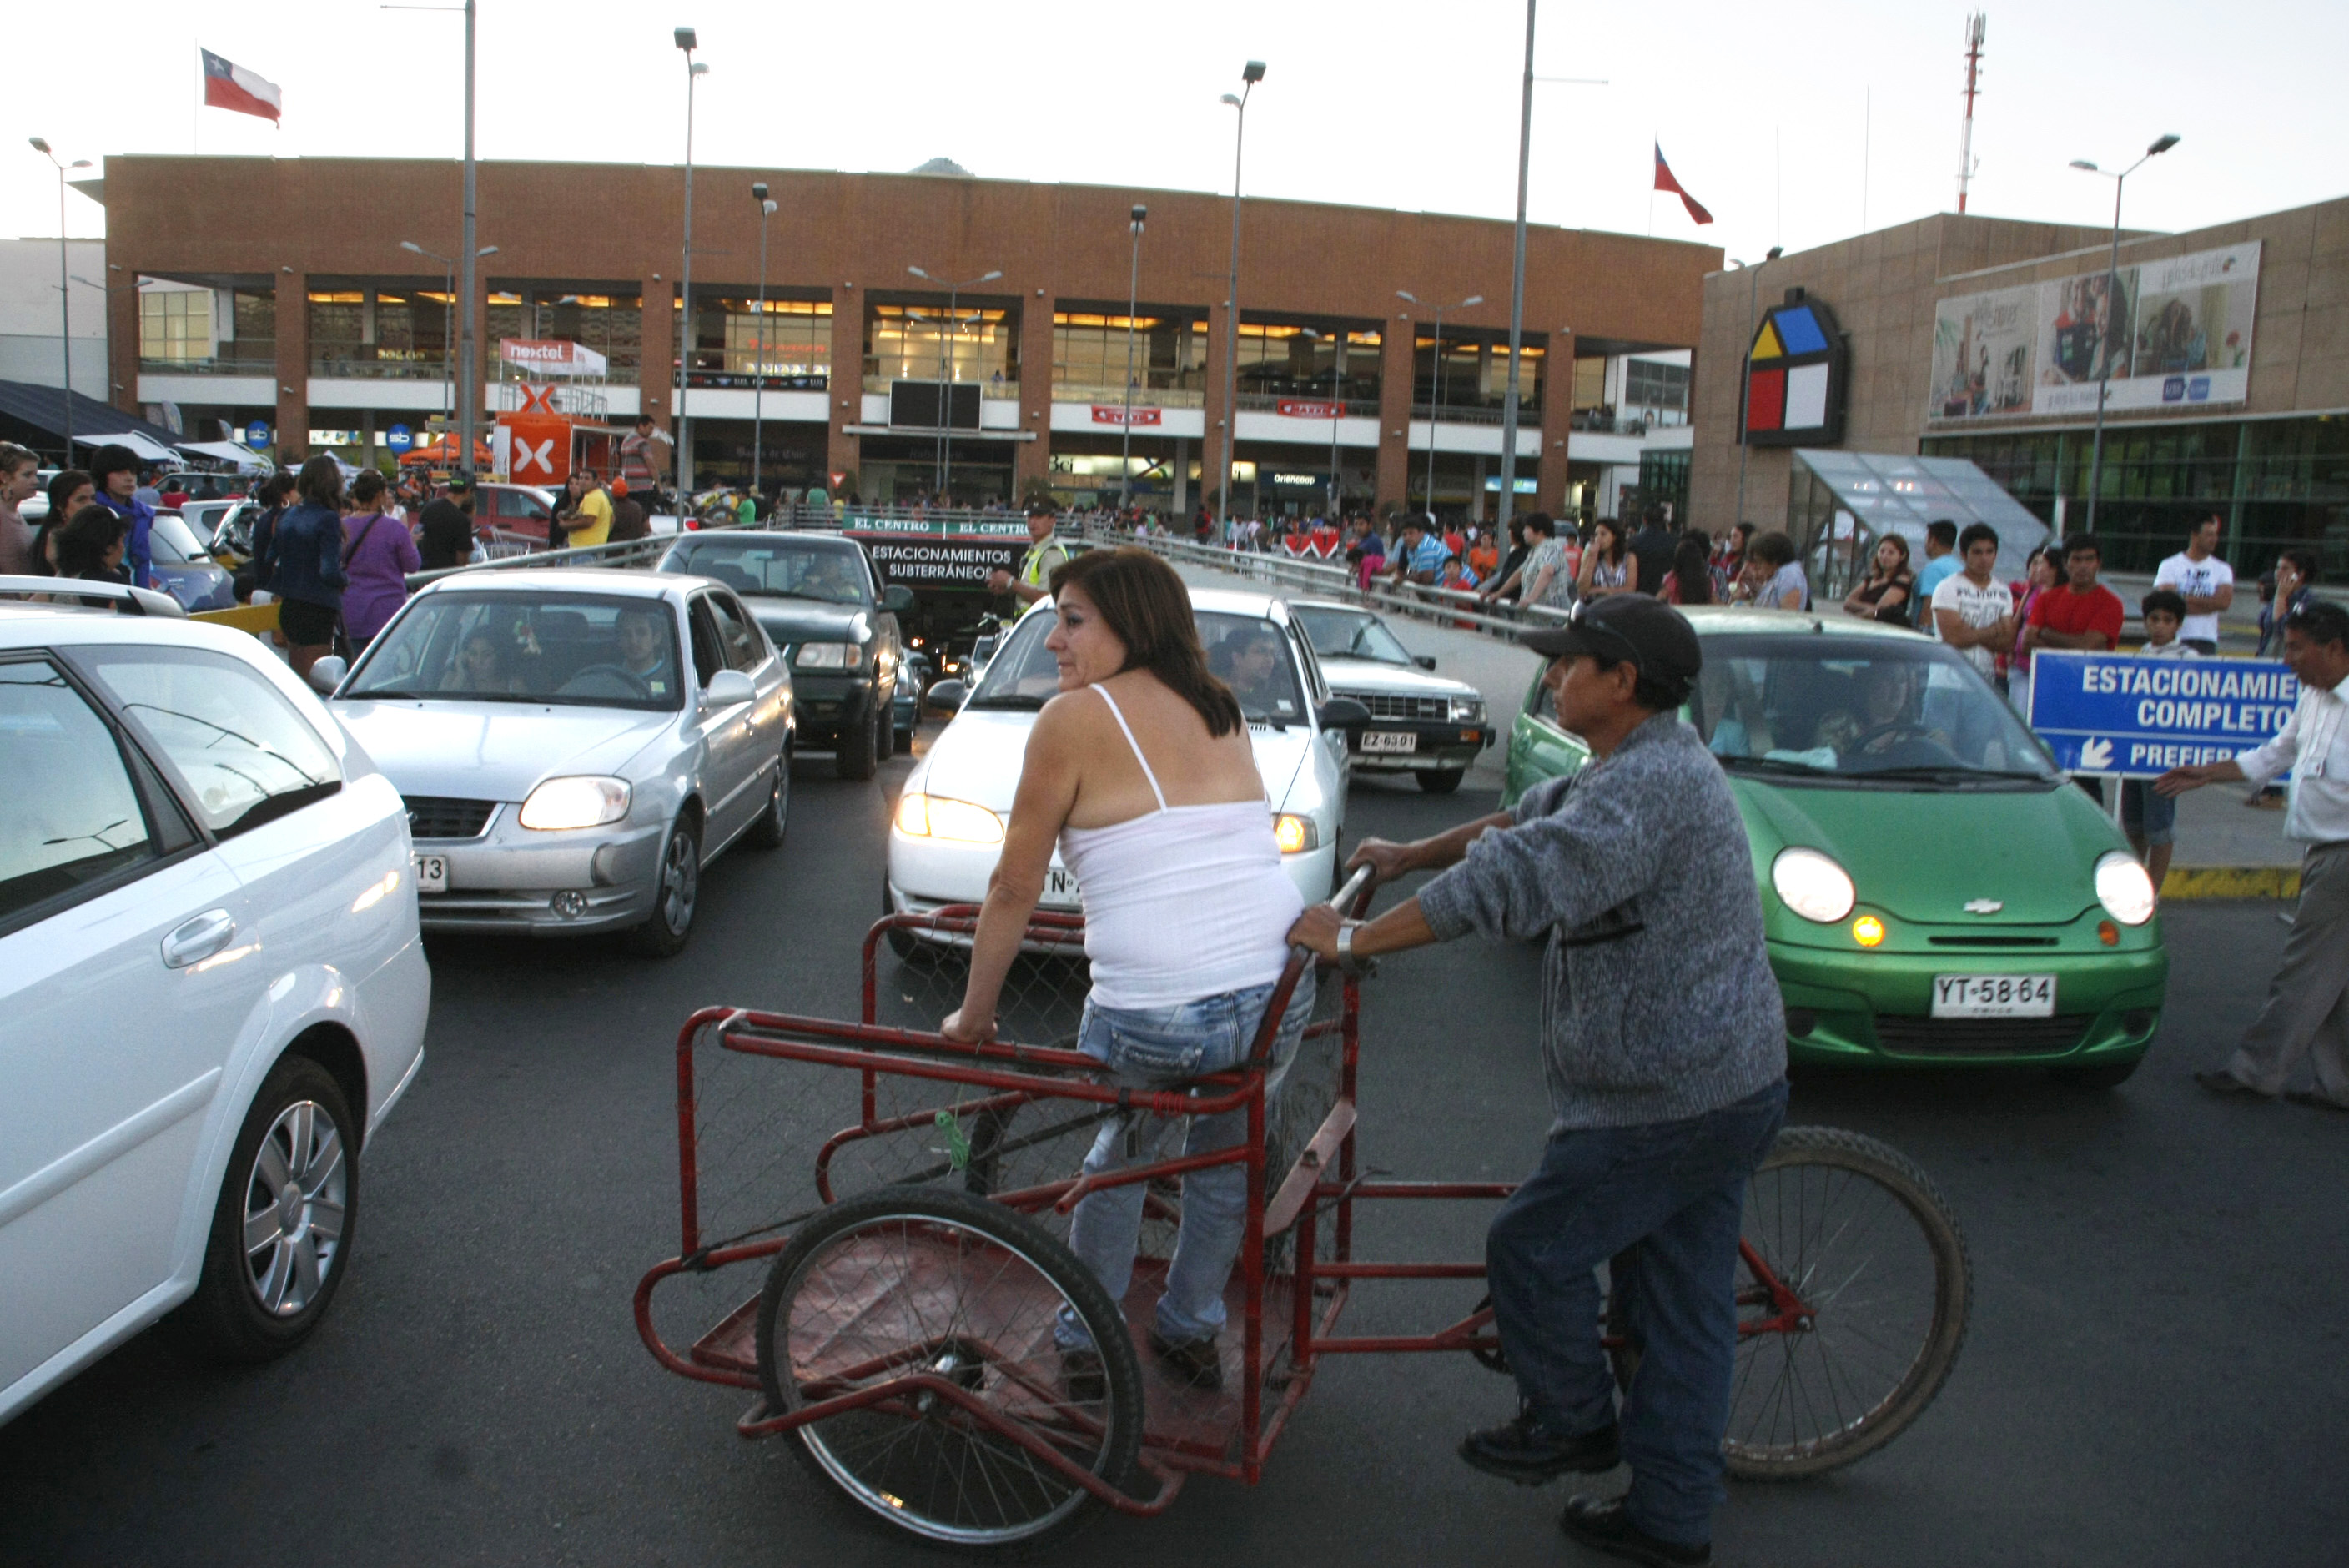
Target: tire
853, 1299
1834, 1212
677, 891
1441, 782
859, 755
2110, 1076
300, 1135
767, 832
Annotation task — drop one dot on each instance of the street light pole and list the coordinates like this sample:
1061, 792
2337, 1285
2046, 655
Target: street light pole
954, 324
65, 292
447, 324
2112, 318
1133, 295
1250, 74
759, 392
1516, 296
1435, 408
687, 41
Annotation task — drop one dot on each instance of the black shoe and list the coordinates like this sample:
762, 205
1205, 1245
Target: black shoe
1602, 1524
1082, 1375
1525, 1451
2227, 1085
2313, 1097
1197, 1362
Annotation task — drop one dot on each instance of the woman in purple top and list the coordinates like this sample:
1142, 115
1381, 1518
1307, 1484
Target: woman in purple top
378, 556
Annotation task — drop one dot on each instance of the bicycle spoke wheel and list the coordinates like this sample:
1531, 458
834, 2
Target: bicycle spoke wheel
1861, 1234
925, 1283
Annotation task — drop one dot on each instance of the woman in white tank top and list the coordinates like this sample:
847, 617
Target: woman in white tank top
1141, 772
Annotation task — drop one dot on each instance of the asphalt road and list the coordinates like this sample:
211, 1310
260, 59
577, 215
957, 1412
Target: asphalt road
2154, 1374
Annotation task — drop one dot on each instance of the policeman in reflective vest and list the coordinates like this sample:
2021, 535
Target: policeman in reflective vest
1045, 554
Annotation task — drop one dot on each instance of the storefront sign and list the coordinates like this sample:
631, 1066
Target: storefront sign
1119, 414
950, 563
1304, 409
1795, 377
552, 356
1006, 528
256, 435
2183, 337
400, 439
2138, 717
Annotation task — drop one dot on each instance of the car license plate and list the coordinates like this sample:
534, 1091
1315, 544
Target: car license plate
1060, 886
1390, 740
1993, 995
432, 872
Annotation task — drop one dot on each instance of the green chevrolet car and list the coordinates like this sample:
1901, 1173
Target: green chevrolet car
1933, 889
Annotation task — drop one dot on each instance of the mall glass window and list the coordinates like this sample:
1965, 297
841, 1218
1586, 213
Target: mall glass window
594, 315
1664, 480
175, 326
795, 337
1279, 360
365, 332
918, 343
1089, 357
1589, 383
1656, 392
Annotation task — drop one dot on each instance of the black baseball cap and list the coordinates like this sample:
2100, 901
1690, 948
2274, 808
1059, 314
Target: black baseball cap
1624, 627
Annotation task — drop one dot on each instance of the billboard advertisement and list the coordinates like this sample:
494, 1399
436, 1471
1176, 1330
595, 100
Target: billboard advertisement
2168, 333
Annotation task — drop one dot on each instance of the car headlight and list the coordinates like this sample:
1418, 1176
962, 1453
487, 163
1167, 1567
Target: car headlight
921, 816
1296, 834
829, 656
586, 802
1467, 710
1813, 886
2123, 889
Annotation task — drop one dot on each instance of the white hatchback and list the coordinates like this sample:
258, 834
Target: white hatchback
948, 830
212, 988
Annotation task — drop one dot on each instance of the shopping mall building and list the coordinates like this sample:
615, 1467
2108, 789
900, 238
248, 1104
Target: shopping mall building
278, 292
1984, 339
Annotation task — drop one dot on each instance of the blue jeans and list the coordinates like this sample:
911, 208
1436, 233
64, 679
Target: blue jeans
1672, 1193
1152, 1047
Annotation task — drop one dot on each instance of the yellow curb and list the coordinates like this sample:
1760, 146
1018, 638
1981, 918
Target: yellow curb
2232, 881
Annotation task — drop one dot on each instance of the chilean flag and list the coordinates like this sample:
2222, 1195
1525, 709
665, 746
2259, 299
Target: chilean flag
1664, 182
232, 87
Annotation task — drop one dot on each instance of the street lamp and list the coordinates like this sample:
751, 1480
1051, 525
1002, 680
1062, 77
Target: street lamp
65, 295
1753, 282
954, 320
1132, 294
2112, 315
448, 314
694, 69
1435, 408
469, 385
758, 391
1250, 74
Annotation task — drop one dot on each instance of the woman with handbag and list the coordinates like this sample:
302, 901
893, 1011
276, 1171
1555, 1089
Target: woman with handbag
308, 574
378, 553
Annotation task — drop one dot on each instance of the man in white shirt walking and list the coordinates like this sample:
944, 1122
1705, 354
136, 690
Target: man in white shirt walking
1972, 610
2207, 582
2307, 1010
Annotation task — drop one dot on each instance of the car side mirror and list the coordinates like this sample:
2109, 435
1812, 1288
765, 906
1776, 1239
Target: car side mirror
947, 698
1342, 713
897, 598
327, 674
1424, 660
727, 688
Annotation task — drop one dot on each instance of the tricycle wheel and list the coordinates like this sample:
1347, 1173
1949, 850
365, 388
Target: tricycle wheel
956, 1298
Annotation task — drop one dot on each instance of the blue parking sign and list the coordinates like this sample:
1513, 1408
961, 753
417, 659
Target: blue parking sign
400, 439
2138, 717
256, 435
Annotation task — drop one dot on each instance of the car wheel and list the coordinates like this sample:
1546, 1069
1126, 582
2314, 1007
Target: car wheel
282, 1229
676, 888
859, 754
767, 832
1442, 781
2110, 1076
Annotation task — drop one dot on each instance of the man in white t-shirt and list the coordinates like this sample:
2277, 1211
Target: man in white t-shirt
1972, 610
2206, 582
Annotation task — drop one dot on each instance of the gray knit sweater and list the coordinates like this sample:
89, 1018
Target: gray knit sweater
1658, 1002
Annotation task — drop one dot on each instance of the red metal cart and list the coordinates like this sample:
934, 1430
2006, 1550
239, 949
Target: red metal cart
918, 1284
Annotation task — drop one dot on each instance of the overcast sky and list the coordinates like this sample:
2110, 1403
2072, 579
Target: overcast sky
1770, 115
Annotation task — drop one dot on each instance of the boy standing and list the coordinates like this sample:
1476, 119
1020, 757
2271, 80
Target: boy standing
2151, 820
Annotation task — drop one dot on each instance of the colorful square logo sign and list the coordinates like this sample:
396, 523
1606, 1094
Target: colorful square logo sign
1794, 376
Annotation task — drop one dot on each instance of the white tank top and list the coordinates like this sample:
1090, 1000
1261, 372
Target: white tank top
1184, 903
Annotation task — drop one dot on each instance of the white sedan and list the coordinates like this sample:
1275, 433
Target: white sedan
947, 830
212, 988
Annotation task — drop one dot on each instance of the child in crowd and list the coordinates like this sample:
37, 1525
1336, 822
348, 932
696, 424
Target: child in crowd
2151, 820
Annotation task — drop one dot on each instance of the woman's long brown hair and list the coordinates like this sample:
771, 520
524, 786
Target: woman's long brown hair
1147, 608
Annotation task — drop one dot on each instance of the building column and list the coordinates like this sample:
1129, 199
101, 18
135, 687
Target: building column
292, 308
844, 396
122, 342
1556, 424
1396, 374
1182, 481
1032, 461
1211, 443
655, 340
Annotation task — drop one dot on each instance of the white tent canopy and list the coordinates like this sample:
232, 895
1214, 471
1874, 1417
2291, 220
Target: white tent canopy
246, 460
148, 449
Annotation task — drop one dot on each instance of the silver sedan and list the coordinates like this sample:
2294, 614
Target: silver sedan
574, 746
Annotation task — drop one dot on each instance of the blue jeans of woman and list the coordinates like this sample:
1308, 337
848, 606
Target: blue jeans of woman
1153, 1048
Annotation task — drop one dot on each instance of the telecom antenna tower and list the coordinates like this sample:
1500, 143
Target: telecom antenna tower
1977, 24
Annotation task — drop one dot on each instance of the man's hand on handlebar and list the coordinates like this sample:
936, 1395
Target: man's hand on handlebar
975, 1032
1386, 859
1317, 930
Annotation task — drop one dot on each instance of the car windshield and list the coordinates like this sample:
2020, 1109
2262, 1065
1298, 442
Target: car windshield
579, 650
172, 541
1248, 653
830, 569
1886, 708
1348, 635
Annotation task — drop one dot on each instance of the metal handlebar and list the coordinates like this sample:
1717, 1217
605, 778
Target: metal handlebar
1351, 893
